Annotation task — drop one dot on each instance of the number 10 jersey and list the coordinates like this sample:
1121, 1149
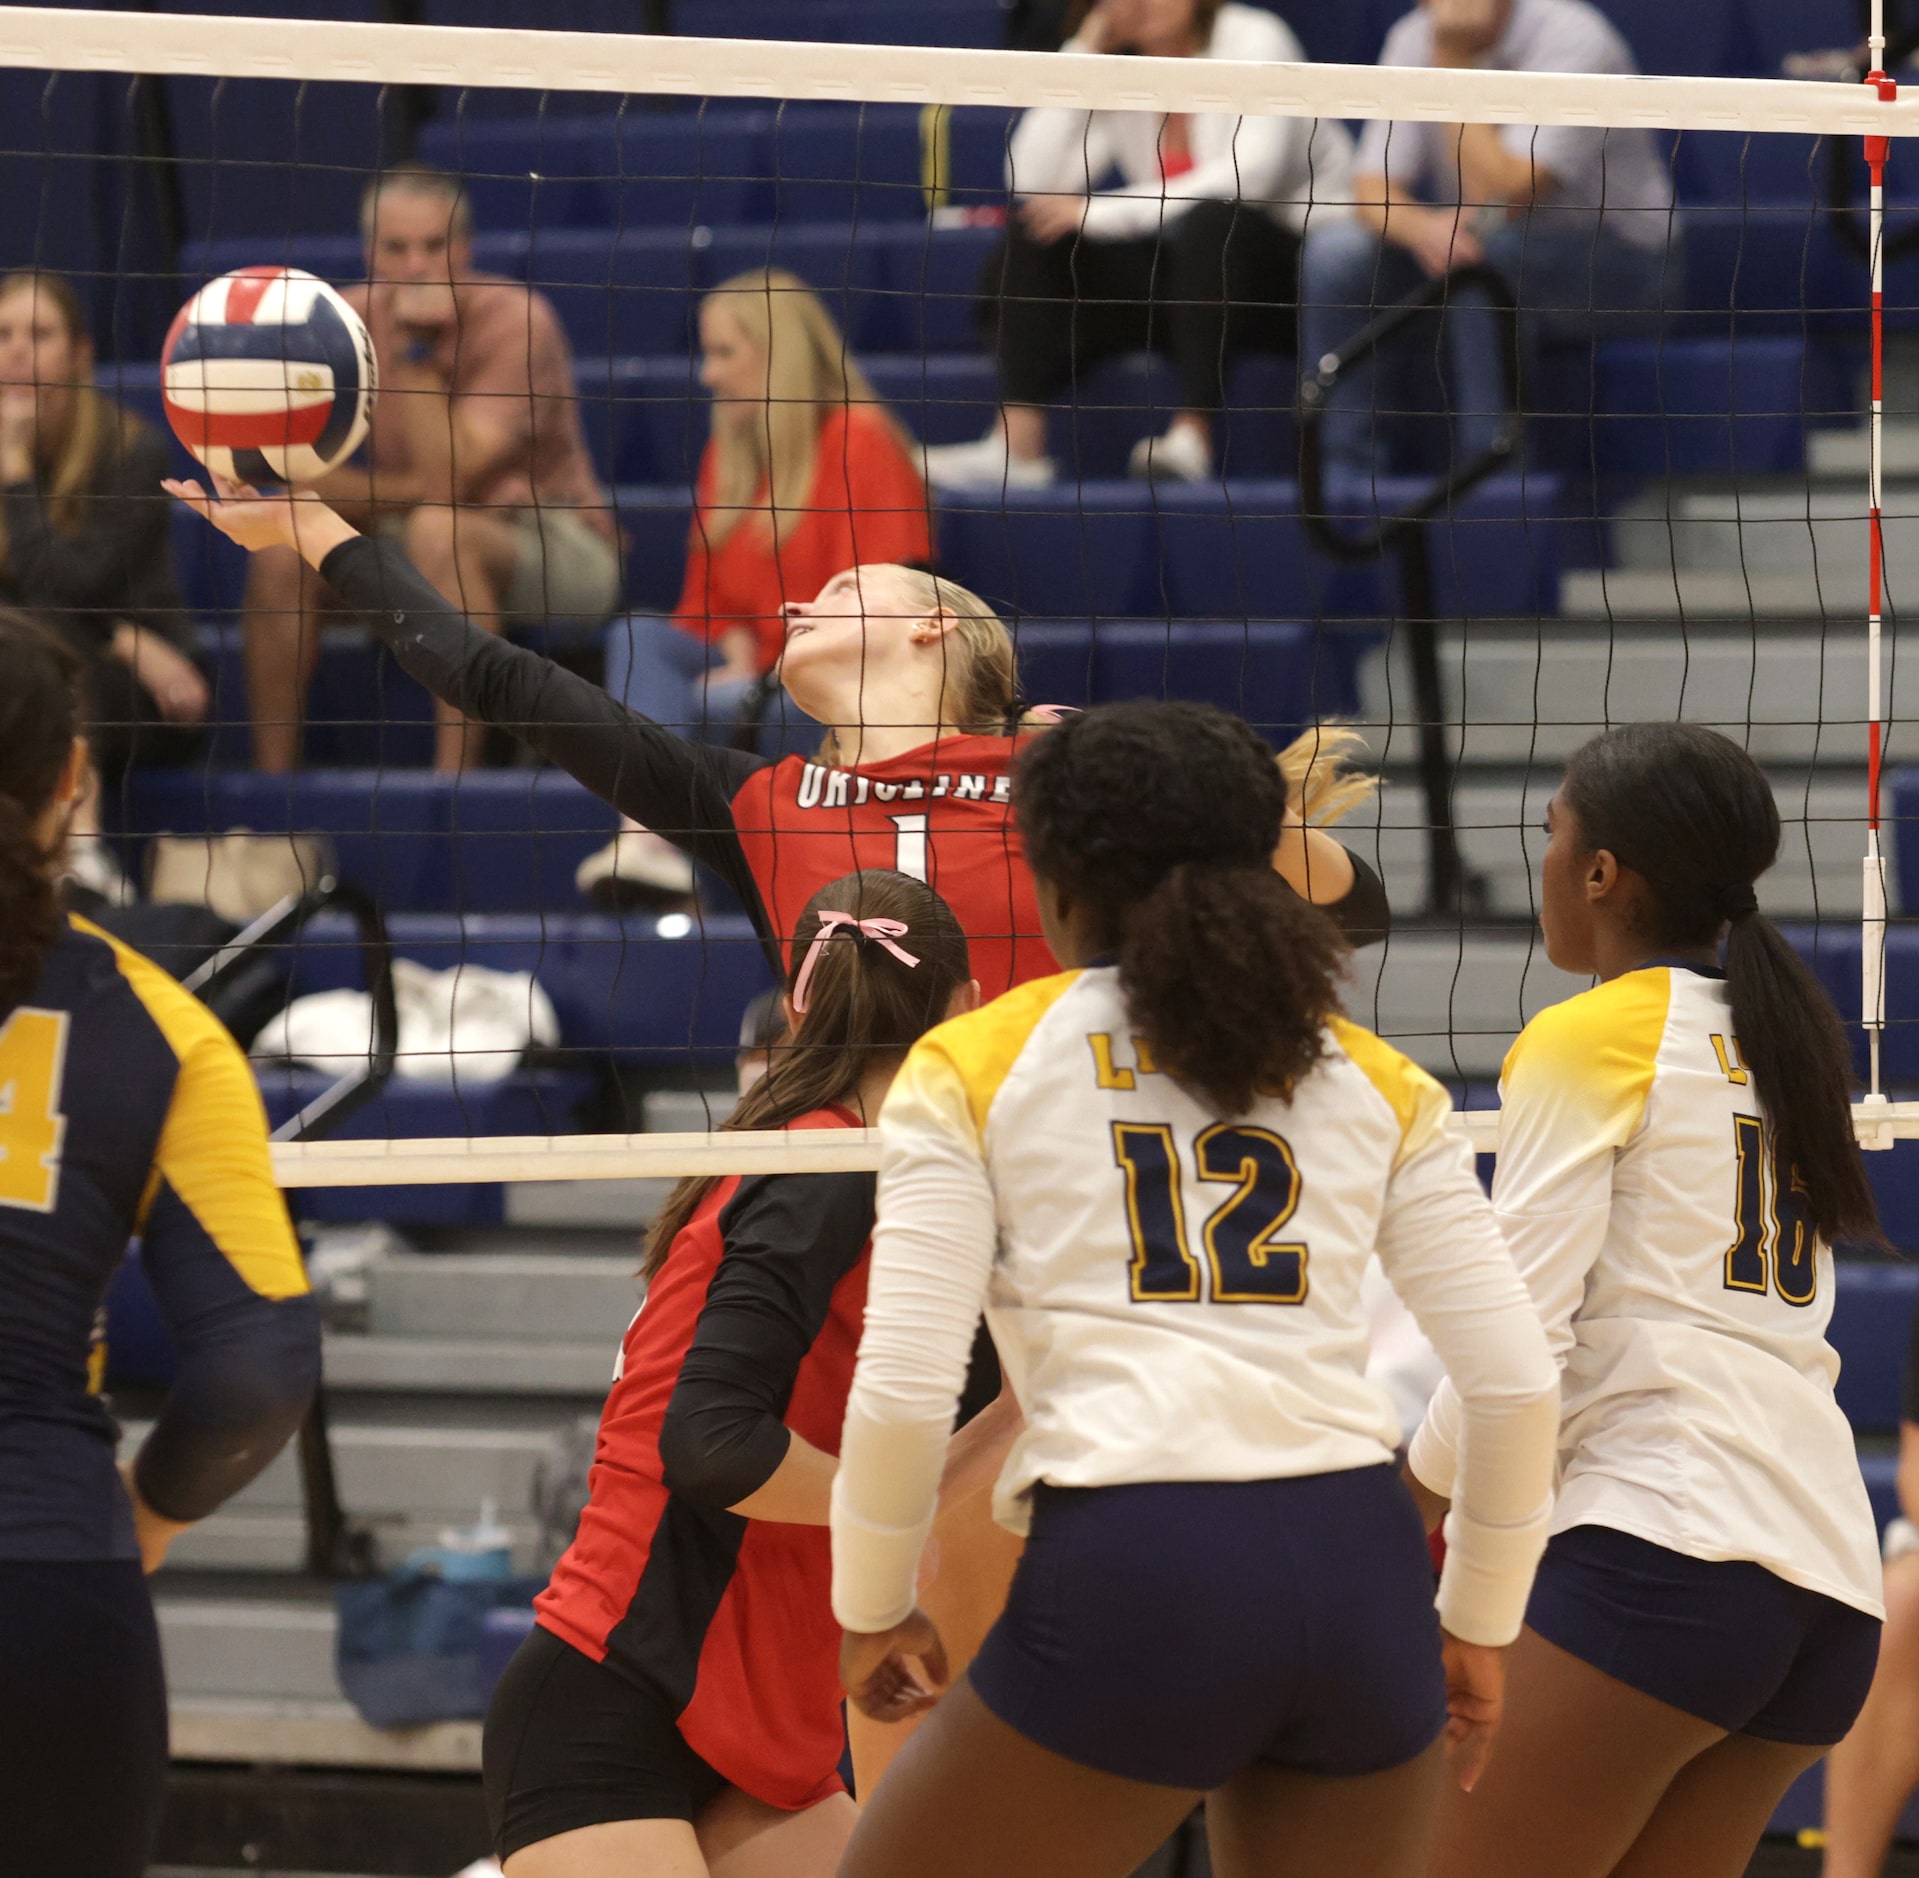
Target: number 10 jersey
1683, 1289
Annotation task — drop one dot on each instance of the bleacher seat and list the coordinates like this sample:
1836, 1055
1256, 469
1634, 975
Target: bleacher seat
665, 993
1872, 1330
492, 841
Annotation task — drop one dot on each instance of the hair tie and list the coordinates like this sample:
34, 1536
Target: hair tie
1737, 903
883, 931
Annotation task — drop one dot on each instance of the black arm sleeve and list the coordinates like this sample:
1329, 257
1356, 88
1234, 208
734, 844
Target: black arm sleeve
681, 790
246, 1369
115, 567
789, 1240
1362, 912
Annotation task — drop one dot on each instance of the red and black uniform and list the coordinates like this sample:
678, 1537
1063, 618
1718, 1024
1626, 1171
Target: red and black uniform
775, 832
681, 1646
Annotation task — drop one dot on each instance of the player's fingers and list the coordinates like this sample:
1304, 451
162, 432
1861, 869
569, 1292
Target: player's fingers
188, 492
1469, 1742
933, 1661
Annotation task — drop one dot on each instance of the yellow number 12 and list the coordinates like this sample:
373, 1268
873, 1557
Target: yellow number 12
33, 1064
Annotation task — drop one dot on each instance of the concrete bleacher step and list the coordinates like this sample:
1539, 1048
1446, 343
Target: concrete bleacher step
1792, 694
312, 1732
1813, 535
1849, 452
277, 1645
470, 1365
1499, 819
1712, 595
550, 1297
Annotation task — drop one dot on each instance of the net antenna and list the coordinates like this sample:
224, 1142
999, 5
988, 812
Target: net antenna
1874, 1129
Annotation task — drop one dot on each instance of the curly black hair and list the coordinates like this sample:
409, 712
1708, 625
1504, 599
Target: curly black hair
1162, 818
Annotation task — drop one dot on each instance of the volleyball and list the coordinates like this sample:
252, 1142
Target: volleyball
268, 376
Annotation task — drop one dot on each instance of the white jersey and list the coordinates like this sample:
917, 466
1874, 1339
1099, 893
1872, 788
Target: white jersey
1683, 1291
1173, 1297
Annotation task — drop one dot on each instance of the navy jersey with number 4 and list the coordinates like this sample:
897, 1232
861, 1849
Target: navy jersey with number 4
127, 1111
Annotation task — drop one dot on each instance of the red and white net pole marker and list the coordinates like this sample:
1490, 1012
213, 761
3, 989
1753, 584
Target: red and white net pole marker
1872, 950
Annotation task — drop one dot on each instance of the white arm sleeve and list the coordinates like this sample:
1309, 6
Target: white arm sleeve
933, 1247
1573, 1094
1441, 1248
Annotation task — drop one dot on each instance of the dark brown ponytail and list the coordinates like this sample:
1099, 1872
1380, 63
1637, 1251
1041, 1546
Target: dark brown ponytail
39, 719
1162, 819
862, 1005
1693, 815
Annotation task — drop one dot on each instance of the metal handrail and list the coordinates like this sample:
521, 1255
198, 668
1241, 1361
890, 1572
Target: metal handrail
1317, 386
336, 1546
1404, 532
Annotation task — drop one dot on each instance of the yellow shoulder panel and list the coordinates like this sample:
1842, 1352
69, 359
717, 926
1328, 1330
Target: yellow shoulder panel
213, 1148
1597, 1051
1420, 1102
980, 1049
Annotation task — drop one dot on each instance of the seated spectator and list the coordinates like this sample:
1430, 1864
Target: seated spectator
1193, 250
806, 474
476, 460
1873, 1773
1576, 220
85, 545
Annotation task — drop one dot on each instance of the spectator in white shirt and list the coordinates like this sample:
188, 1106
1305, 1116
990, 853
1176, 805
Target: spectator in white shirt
1132, 229
1578, 221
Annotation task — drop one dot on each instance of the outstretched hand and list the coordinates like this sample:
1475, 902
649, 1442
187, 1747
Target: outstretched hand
879, 1674
281, 518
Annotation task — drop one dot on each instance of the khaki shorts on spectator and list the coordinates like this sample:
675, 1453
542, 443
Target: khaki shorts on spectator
565, 570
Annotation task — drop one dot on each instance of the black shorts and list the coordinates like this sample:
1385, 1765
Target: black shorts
1180, 1631
83, 1719
1722, 1639
571, 1743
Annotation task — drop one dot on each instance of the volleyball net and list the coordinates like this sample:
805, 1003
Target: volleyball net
1617, 455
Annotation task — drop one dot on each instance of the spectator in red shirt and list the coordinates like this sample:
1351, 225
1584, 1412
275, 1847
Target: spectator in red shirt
806, 474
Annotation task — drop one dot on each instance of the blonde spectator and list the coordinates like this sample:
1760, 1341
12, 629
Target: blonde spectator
806, 474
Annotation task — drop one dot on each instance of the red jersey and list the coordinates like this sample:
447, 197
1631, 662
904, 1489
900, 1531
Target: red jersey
749, 1329
941, 813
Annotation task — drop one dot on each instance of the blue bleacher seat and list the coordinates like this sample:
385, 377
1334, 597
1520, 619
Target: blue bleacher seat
1872, 1330
1832, 950
667, 1000
492, 841
1268, 671
1677, 406
1900, 801
1702, 39
671, 168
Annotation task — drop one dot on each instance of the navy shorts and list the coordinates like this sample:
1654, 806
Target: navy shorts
1177, 1632
1723, 1639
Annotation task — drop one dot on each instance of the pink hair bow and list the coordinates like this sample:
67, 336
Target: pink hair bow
883, 931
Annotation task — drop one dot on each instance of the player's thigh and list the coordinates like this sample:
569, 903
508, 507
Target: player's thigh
622, 1848
1580, 1763
1712, 1815
83, 1720
742, 1837
970, 1796
1277, 1822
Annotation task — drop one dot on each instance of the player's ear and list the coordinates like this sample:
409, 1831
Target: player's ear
966, 997
936, 625
1603, 874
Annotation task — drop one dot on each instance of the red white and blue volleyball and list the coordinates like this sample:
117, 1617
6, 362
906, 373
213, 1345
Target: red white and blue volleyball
268, 376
